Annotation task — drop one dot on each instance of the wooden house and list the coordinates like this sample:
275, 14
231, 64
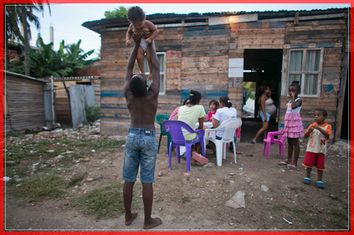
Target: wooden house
24, 103
227, 53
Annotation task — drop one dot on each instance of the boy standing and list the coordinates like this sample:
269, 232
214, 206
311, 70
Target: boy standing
318, 133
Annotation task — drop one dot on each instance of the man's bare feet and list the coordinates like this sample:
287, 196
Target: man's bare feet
129, 221
153, 223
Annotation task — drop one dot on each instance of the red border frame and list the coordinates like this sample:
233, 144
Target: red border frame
182, 1
2, 53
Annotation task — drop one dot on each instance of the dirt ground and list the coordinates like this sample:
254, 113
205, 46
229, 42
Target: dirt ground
275, 198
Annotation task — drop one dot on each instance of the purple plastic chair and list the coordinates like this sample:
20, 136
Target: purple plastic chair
177, 139
271, 140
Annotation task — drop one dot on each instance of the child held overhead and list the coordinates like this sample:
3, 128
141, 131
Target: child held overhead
141, 28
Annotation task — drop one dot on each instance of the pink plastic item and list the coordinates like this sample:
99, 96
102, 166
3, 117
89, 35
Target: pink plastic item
271, 140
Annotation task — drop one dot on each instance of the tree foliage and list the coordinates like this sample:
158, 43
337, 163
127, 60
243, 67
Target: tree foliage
46, 62
18, 19
14, 22
120, 12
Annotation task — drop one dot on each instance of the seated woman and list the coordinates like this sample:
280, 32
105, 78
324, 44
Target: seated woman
192, 113
225, 112
174, 114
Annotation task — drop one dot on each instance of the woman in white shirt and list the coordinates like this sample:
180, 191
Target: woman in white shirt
226, 111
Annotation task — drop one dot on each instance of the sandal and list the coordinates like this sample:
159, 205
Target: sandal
320, 184
307, 180
291, 167
282, 163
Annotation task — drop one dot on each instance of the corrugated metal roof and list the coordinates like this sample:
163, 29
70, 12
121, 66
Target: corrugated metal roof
172, 18
25, 76
78, 78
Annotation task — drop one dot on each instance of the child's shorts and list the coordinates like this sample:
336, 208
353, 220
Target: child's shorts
314, 159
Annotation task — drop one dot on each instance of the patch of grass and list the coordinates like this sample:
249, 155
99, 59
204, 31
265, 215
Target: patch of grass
41, 187
18, 170
35, 150
76, 179
107, 144
89, 144
31, 150
104, 202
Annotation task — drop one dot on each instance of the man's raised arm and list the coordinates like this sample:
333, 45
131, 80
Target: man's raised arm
155, 67
131, 62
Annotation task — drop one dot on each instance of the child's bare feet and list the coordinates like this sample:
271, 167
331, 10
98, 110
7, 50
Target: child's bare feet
153, 223
129, 221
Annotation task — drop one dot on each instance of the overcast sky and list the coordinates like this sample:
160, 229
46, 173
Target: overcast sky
68, 18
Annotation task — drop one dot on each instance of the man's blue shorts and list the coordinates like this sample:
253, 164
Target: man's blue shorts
140, 150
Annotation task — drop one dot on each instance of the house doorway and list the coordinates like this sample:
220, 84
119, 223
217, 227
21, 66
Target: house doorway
261, 67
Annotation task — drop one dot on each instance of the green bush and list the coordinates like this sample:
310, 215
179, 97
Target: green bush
92, 113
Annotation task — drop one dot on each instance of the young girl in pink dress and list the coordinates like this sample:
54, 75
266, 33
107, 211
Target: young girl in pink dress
293, 127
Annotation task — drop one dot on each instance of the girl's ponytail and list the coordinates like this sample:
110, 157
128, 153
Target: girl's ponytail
226, 101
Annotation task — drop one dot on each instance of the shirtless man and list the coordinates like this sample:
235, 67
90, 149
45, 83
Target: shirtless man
141, 145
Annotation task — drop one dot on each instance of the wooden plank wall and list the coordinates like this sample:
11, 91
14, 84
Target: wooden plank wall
329, 35
170, 41
114, 54
197, 58
205, 61
25, 104
62, 110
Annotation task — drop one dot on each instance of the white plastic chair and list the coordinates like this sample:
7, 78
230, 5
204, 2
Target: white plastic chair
228, 129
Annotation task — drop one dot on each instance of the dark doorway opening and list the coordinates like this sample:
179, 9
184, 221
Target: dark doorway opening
261, 67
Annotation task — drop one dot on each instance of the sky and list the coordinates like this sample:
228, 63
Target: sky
67, 19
